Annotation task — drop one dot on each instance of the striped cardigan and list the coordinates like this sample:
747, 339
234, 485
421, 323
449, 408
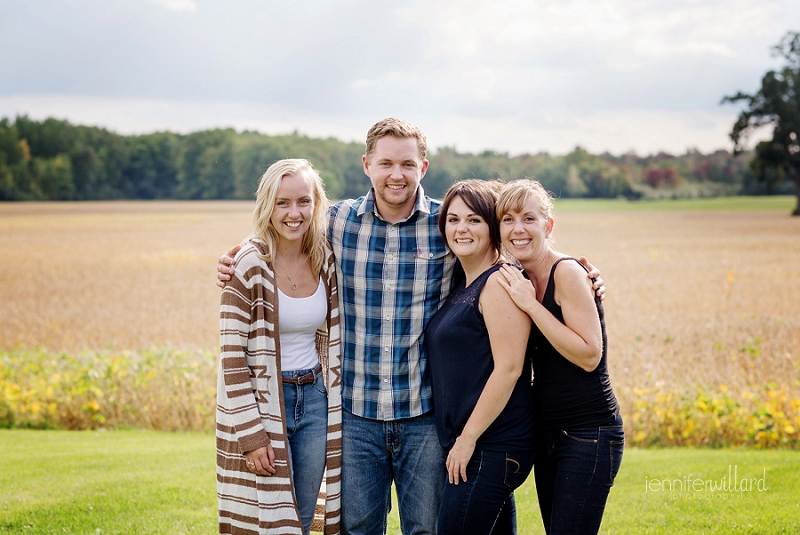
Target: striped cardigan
250, 403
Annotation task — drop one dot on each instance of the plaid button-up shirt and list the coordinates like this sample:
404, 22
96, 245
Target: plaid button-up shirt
392, 279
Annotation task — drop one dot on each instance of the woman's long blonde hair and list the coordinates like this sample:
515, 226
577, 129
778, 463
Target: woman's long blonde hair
314, 239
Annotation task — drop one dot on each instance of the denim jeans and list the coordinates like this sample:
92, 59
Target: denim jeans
374, 453
574, 472
484, 504
306, 408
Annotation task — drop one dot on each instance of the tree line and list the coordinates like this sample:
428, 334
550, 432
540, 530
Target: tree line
55, 160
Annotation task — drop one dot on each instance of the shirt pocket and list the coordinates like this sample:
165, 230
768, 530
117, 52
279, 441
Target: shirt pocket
429, 266
431, 255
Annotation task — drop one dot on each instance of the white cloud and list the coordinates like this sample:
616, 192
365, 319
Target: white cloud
177, 6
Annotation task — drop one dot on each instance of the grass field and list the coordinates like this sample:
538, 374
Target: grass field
133, 482
106, 482
702, 315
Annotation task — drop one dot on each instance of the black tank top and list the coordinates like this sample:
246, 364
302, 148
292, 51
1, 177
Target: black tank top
460, 362
565, 395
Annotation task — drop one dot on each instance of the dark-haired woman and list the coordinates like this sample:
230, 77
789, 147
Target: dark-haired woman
481, 380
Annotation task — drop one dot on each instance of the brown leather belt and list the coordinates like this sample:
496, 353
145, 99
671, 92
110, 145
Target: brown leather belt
302, 379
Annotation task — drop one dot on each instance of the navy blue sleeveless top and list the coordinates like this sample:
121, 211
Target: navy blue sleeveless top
460, 362
567, 396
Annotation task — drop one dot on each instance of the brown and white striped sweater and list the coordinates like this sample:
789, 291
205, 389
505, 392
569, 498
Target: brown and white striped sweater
250, 403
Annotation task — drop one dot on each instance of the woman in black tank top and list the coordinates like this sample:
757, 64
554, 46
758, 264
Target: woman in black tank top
476, 347
579, 430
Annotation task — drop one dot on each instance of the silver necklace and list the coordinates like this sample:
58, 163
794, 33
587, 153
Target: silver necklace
294, 284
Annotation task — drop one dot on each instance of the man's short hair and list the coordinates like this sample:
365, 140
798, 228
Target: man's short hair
396, 128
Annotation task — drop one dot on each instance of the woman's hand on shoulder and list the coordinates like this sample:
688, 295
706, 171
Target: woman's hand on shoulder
225, 266
594, 275
520, 289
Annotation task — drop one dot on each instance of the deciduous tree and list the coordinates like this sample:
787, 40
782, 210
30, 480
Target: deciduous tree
777, 103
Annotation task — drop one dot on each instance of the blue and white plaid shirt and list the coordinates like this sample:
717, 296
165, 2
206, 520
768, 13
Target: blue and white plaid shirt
392, 280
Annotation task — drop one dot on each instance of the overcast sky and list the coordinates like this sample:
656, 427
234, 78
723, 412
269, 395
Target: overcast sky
516, 75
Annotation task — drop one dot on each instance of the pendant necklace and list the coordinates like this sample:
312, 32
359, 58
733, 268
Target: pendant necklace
294, 285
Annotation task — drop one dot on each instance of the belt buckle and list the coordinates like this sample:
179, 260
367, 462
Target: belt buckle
304, 379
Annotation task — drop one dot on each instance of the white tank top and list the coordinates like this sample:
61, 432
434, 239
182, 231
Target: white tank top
299, 320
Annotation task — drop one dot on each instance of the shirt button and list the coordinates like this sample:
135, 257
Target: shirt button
386, 349
386, 380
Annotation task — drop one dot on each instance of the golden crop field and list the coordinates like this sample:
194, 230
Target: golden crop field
121, 275
702, 309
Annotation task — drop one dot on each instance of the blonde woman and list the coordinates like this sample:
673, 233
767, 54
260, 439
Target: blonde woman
279, 396
580, 439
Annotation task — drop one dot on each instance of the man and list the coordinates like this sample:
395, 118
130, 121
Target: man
394, 270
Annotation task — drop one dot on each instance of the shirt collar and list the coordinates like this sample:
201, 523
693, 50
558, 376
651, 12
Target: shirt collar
422, 205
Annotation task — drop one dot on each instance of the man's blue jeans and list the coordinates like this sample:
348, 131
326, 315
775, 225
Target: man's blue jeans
374, 453
484, 504
306, 408
574, 472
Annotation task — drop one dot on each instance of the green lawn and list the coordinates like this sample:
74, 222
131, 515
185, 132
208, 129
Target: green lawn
631, 510
161, 483
106, 482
